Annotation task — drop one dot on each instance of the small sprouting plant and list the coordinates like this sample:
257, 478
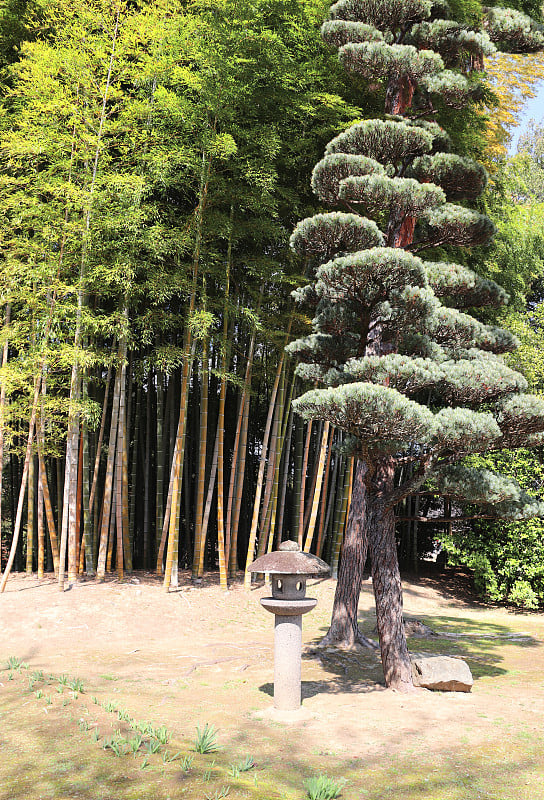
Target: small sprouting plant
14, 663
186, 763
95, 700
109, 706
321, 787
95, 735
65, 702
63, 680
48, 700
60, 688
153, 746
145, 763
208, 774
39, 694
135, 743
83, 725
219, 793
144, 727
31, 683
10, 676
162, 734
206, 739
37, 675
75, 684
115, 743
243, 766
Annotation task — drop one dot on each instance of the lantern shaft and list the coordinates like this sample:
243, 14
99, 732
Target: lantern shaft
287, 662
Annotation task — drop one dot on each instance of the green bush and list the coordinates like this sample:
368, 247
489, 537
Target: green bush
507, 557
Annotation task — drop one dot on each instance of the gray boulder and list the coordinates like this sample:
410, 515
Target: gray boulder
441, 673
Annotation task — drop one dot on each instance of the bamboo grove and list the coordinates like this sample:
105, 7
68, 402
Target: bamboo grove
149, 186
154, 160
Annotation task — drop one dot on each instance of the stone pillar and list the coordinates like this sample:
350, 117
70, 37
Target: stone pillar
287, 662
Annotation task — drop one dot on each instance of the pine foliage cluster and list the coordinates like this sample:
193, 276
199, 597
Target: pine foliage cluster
411, 375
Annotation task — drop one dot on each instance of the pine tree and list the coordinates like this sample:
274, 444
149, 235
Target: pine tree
415, 381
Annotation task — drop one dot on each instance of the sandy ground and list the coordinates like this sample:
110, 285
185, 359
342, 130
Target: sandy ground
200, 654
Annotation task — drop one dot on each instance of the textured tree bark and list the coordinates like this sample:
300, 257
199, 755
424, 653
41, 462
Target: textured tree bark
386, 583
344, 628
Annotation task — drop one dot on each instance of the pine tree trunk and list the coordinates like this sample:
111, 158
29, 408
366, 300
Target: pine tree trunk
386, 583
344, 629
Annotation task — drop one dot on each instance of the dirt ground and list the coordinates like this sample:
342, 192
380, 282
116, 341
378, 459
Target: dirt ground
202, 655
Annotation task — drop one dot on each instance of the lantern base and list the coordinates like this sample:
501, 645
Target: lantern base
272, 714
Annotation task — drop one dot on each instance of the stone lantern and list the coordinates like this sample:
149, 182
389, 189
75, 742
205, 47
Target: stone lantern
289, 570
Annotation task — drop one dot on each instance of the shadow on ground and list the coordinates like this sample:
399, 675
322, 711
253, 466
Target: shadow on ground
476, 642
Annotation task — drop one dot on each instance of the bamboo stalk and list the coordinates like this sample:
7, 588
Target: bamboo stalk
207, 509
318, 485
340, 517
159, 485
202, 447
87, 526
260, 477
188, 355
5, 352
41, 538
100, 440
22, 490
322, 511
30, 517
303, 483
108, 486
232, 535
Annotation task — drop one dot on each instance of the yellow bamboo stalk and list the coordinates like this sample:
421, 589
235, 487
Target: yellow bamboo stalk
339, 518
303, 483
322, 510
318, 485
100, 440
108, 485
48, 510
24, 478
202, 447
5, 351
188, 355
173, 530
41, 539
260, 476
207, 509
30, 517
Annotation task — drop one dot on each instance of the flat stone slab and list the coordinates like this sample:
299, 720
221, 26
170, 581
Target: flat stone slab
441, 673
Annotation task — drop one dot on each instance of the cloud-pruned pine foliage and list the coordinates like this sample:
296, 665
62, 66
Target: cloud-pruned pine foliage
408, 372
